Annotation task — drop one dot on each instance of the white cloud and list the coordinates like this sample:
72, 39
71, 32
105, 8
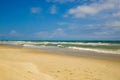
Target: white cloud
103, 33
94, 8
42, 33
103, 30
113, 26
60, 1
53, 9
116, 14
109, 33
35, 10
82, 11
13, 33
115, 23
108, 30
57, 33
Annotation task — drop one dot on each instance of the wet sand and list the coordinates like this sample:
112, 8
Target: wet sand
31, 64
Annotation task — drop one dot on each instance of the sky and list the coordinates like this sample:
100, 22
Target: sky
59, 19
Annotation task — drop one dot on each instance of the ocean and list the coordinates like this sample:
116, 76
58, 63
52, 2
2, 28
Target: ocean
106, 47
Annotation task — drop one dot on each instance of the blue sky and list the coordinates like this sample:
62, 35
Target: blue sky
60, 19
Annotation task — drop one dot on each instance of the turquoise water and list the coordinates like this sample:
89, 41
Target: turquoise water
112, 47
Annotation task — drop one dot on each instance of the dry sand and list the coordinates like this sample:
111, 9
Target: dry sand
30, 64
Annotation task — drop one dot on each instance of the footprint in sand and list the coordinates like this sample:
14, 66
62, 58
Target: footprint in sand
29, 72
58, 71
71, 73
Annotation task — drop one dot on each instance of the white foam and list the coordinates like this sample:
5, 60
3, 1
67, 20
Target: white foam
61, 46
77, 43
30, 46
57, 43
96, 50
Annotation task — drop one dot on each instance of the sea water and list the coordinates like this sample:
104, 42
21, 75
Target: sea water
108, 47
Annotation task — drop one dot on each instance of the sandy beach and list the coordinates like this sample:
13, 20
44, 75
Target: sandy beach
31, 64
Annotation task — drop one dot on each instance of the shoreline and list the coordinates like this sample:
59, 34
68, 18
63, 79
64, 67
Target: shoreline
82, 53
76, 53
25, 63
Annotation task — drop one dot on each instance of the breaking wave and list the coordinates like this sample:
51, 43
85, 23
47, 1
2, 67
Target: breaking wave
101, 47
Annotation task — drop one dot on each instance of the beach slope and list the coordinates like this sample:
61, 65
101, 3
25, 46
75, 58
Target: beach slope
30, 64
